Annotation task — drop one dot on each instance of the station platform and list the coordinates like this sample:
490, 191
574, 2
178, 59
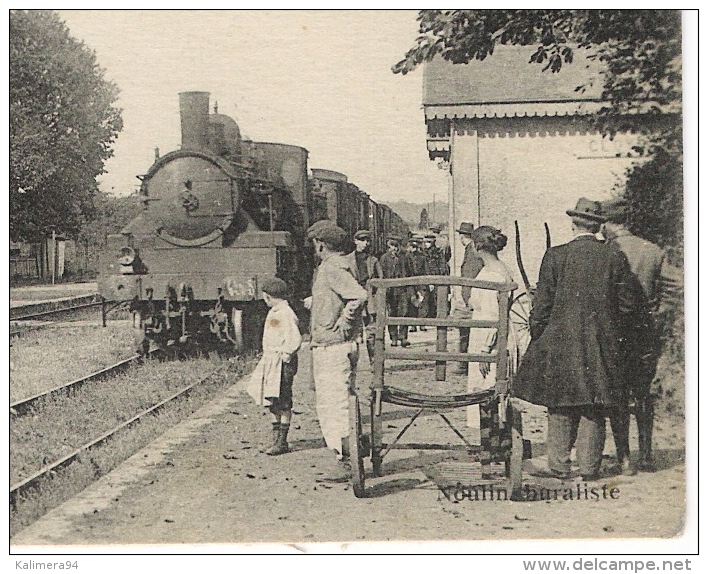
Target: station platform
207, 482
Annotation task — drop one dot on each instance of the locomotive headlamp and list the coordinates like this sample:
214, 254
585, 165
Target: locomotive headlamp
127, 256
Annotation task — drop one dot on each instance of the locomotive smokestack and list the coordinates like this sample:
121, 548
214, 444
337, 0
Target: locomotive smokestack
194, 114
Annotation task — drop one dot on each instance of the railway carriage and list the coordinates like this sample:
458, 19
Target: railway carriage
220, 214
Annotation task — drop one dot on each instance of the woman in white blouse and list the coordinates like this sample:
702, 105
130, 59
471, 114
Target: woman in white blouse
483, 303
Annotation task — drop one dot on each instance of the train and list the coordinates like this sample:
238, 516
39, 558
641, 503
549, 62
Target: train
219, 214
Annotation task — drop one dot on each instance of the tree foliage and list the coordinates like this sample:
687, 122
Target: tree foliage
640, 51
655, 212
109, 214
62, 125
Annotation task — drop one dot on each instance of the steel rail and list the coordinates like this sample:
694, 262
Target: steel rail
17, 489
56, 311
23, 406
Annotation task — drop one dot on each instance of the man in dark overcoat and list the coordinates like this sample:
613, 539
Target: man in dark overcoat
395, 265
585, 300
364, 268
643, 345
418, 266
437, 265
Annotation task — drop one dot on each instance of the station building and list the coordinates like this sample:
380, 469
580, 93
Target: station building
519, 144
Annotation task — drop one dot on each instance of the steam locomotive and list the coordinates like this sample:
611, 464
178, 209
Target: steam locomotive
219, 214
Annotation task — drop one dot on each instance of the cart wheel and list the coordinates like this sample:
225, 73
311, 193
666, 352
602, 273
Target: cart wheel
356, 452
375, 440
519, 315
517, 452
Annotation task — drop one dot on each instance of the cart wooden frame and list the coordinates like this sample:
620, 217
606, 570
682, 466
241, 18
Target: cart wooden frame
500, 418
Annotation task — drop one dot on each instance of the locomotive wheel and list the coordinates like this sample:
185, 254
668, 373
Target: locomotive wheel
356, 452
516, 457
237, 323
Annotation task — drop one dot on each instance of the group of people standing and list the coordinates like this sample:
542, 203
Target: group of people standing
594, 345
341, 314
594, 340
419, 256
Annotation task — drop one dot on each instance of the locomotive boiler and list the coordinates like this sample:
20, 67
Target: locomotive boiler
220, 214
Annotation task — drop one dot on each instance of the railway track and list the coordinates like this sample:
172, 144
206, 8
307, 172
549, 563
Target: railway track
34, 316
48, 317
24, 406
33, 481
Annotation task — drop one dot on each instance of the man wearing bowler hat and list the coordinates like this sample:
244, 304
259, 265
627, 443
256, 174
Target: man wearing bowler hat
585, 300
471, 266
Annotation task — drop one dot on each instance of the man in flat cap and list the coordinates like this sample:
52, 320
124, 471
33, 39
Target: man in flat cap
442, 243
645, 260
418, 266
366, 267
335, 325
395, 265
437, 265
585, 299
471, 266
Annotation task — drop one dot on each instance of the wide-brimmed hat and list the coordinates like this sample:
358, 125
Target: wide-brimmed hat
362, 234
587, 209
436, 229
393, 239
466, 228
615, 210
430, 237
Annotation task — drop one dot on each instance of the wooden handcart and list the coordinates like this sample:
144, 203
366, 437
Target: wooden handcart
501, 427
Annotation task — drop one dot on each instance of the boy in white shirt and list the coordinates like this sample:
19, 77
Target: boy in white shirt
272, 379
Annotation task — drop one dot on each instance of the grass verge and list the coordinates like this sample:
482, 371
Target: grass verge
69, 481
43, 359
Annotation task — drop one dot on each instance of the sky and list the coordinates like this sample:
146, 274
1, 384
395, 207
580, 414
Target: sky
317, 79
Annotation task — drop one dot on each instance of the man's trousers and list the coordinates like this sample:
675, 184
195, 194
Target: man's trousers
582, 426
334, 371
397, 301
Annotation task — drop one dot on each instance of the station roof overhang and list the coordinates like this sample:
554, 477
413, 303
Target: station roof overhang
505, 85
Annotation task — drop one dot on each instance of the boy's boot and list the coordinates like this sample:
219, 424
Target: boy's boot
281, 443
275, 434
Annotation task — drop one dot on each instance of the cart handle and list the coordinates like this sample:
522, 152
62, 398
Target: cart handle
443, 280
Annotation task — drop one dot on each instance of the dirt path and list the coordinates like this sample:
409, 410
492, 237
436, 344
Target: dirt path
207, 483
